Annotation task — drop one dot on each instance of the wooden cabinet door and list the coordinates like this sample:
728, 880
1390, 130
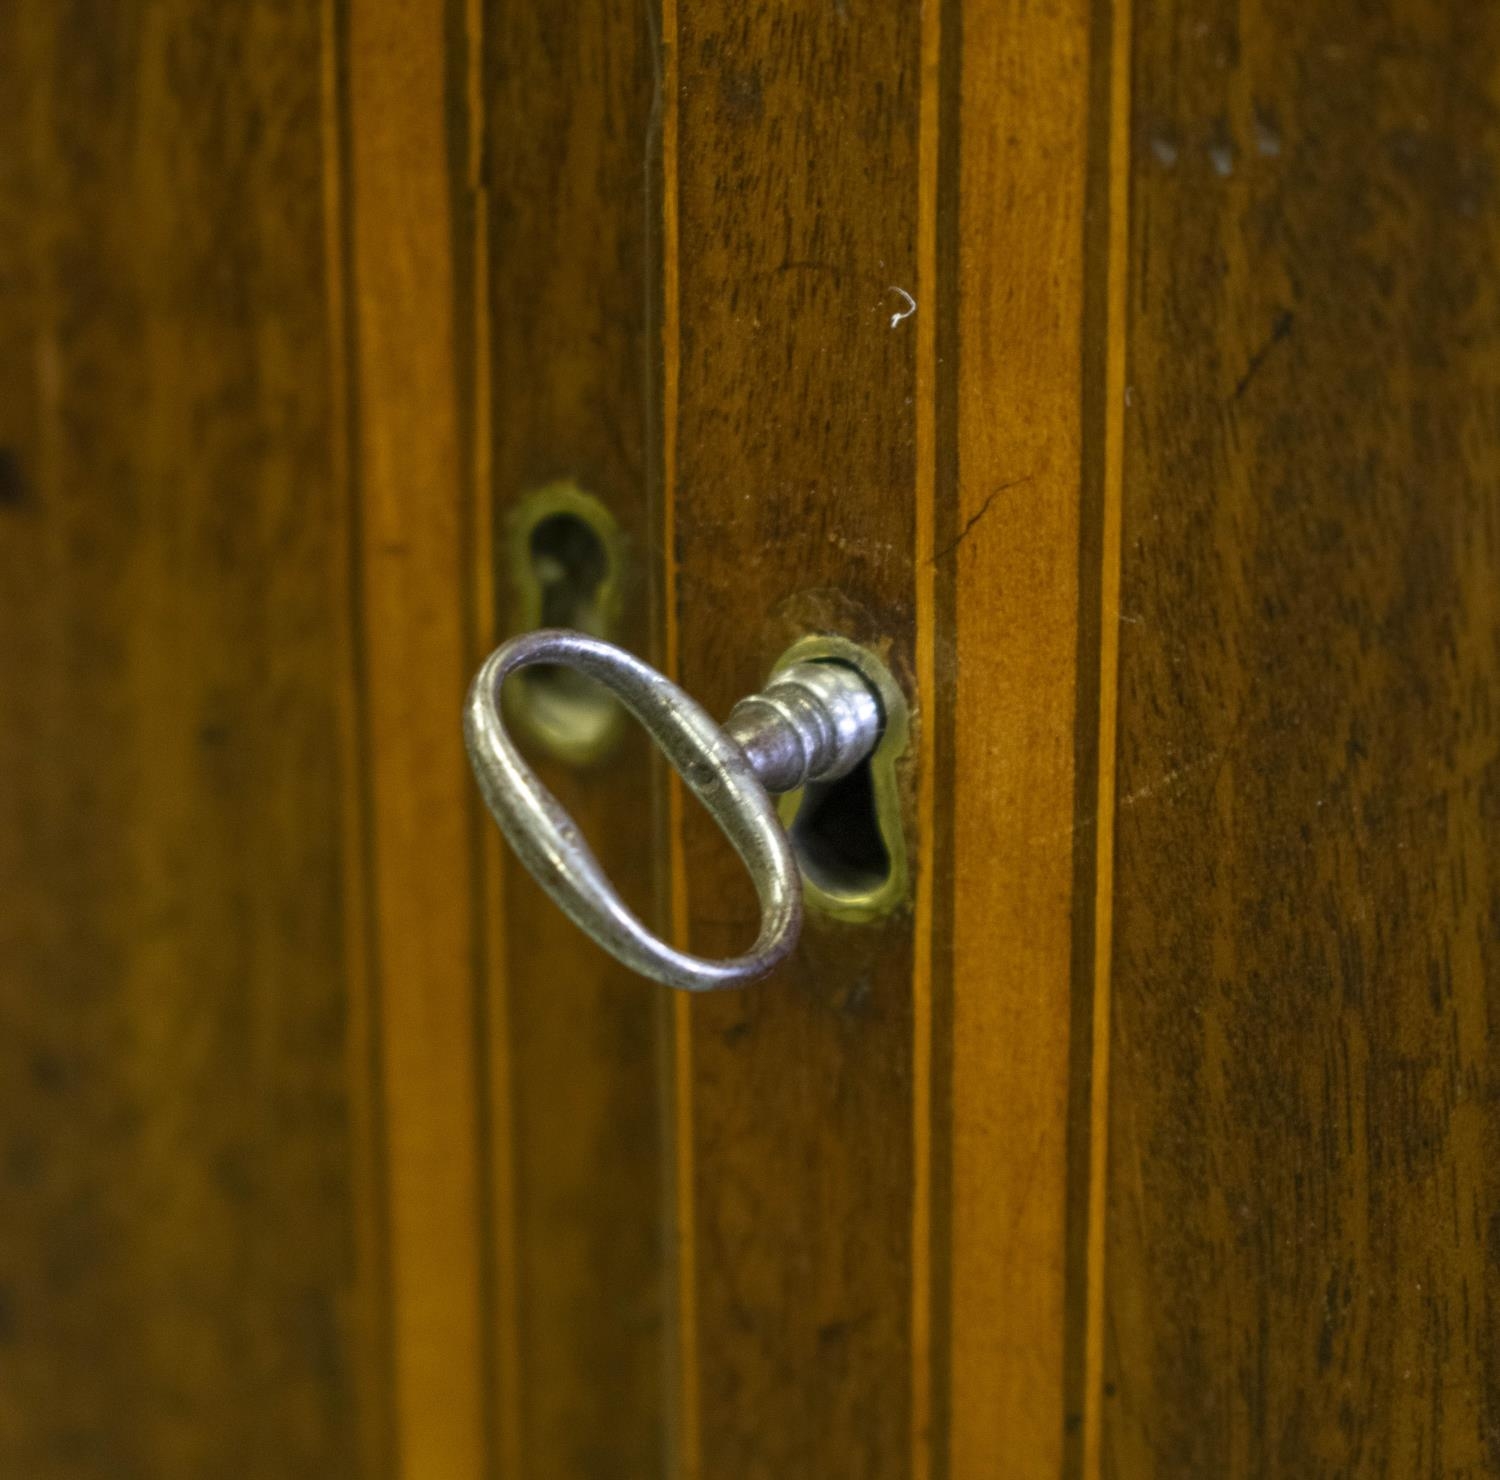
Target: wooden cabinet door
1127, 376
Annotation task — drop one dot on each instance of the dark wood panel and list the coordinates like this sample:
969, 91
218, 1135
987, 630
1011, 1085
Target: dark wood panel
176, 1251
1304, 1243
793, 129
569, 95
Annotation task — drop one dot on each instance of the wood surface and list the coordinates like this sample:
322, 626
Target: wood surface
1303, 1262
790, 147
1129, 375
1016, 572
179, 1289
567, 116
397, 254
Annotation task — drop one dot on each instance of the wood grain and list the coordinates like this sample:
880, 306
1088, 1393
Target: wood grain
1304, 1250
178, 1291
412, 479
1013, 589
569, 93
795, 134
327, 1148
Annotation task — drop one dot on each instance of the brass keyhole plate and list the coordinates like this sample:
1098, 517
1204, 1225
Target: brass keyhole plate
566, 555
847, 834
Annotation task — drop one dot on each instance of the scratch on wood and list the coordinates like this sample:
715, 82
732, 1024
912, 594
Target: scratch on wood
975, 517
1279, 331
1164, 783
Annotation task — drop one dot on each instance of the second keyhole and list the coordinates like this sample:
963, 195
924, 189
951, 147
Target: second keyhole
565, 563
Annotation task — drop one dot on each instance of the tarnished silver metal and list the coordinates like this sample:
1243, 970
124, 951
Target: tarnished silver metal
812, 722
815, 721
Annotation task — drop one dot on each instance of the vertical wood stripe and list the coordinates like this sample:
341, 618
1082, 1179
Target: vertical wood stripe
793, 470
1014, 562
372, 1314
686, 1430
924, 534
416, 573
570, 91
499, 1257
1116, 127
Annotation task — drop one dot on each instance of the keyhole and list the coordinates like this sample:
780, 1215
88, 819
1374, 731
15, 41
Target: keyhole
565, 554
848, 834
837, 835
570, 563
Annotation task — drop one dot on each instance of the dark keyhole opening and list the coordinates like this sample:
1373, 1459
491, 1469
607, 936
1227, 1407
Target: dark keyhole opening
570, 563
837, 837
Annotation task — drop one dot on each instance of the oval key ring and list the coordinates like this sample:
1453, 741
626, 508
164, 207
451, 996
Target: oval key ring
814, 721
